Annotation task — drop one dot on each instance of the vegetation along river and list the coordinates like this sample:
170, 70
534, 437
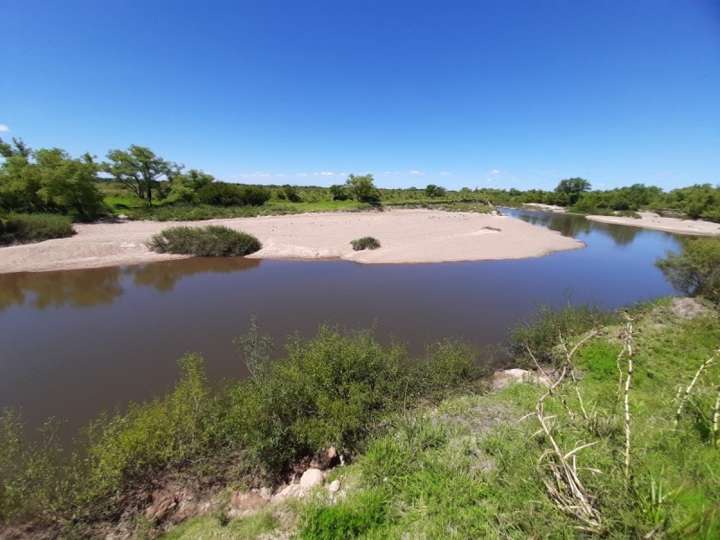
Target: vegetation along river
75, 343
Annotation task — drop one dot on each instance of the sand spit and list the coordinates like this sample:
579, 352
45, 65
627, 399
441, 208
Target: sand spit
650, 220
546, 207
407, 236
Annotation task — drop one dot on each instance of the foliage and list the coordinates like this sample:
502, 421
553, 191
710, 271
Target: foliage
140, 170
30, 484
435, 191
27, 228
366, 242
290, 193
624, 199
540, 334
332, 391
210, 241
184, 186
696, 270
222, 194
128, 447
363, 188
701, 201
339, 193
572, 188
468, 468
48, 180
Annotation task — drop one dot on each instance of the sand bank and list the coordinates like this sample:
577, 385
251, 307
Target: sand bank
407, 236
650, 220
546, 207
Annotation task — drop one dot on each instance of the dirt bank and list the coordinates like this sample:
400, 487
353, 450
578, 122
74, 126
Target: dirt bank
407, 236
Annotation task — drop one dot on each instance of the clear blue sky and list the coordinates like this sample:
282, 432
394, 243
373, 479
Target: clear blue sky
478, 93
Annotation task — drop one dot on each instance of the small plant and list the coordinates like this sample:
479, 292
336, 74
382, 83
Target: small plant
366, 242
210, 241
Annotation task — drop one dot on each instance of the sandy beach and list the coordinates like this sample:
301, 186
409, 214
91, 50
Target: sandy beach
407, 236
650, 220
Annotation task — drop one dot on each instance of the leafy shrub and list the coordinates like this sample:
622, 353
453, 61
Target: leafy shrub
331, 391
366, 242
150, 436
695, 271
363, 188
540, 334
339, 193
210, 241
30, 483
222, 194
27, 228
291, 193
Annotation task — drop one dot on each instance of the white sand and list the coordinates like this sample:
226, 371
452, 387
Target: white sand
546, 207
650, 220
407, 236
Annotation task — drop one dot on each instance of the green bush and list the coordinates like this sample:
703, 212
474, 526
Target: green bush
366, 242
540, 334
332, 391
221, 194
210, 241
695, 271
27, 228
127, 447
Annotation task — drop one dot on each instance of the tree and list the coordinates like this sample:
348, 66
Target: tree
185, 186
291, 193
435, 191
363, 188
339, 192
572, 188
48, 180
696, 270
140, 170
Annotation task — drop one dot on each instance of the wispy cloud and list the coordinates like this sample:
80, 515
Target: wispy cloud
494, 172
4, 128
415, 172
445, 173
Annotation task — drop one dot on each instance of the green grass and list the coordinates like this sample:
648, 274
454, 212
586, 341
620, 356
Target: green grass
469, 468
211, 528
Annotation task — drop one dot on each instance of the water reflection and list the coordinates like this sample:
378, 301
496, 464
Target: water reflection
575, 225
101, 286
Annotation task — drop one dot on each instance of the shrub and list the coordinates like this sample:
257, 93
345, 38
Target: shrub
366, 242
339, 193
167, 431
332, 391
695, 271
221, 194
541, 333
210, 241
291, 193
27, 228
363, 188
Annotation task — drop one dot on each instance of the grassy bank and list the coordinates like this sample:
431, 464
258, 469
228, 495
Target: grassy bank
28, 228
430, 452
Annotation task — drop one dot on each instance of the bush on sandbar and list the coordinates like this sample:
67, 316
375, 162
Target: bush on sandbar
27, 228
366, 242
210, 241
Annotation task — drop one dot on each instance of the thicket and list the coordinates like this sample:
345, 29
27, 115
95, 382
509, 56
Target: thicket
366, 242
210, 241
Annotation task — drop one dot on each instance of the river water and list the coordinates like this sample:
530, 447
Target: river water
74, 343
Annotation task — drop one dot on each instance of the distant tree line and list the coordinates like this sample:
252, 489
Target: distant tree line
49, 180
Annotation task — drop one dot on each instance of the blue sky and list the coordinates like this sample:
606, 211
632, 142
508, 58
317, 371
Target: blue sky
481, 93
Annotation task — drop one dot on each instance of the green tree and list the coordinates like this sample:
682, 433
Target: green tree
435, 191
695, 271
185, 186
140, 170
48, 180
339, 192
572, 188
363, 188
